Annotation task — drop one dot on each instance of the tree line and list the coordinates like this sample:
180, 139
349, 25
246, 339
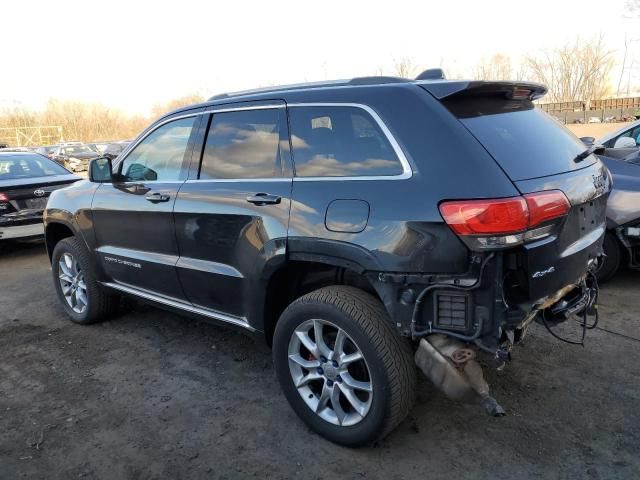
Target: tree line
579, 70
88, 121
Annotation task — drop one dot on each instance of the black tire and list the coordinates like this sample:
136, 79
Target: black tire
101, 304
611, 263
388, 355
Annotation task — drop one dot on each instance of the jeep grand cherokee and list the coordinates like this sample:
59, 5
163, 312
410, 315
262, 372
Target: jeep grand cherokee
353, 225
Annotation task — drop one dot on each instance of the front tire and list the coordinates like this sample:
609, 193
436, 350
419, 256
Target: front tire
74, 277
342, 366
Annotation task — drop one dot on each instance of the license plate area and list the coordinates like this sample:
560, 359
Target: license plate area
589, 215
36, 203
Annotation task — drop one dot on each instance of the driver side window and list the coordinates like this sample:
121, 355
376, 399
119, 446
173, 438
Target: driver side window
159, 157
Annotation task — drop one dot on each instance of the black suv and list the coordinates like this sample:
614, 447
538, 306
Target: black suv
359, 226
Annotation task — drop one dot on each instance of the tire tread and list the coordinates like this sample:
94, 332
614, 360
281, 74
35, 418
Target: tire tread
395, 350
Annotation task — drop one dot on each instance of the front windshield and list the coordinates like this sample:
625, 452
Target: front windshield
14, 167
76, 150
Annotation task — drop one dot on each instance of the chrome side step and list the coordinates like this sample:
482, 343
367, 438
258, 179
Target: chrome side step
222, 317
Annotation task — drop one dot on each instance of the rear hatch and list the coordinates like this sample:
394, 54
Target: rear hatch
538, 154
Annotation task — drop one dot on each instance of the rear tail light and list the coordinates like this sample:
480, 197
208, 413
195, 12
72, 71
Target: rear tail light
504, 222
545, 206
4, 202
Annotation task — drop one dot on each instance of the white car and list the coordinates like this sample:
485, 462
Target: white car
625, 137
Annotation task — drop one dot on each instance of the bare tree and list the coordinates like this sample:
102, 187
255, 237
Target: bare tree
85, 121
631, 9
576, 71
160, 109
497, 67
405, 68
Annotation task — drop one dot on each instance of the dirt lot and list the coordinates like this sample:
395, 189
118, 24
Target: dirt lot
152, 395
595, 130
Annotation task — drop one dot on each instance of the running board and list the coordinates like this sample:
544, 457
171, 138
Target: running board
238, 321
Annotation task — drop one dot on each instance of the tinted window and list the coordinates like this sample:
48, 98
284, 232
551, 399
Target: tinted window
25, 166
243, 144
525, 141
340, 142
160, 155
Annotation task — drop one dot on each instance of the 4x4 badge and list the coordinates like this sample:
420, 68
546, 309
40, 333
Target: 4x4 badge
542, 273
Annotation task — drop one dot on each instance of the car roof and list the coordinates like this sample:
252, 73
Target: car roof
609, 136
439, 88
7, 153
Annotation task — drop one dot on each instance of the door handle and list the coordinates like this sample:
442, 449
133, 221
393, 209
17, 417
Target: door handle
263, 199
157, 197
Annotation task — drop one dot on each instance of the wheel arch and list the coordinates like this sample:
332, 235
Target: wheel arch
302, 274
56, 231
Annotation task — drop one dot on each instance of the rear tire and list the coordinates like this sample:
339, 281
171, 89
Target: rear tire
611, 263
74, 277
365, 398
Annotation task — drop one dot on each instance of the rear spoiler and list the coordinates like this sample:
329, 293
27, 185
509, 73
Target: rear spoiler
449, 89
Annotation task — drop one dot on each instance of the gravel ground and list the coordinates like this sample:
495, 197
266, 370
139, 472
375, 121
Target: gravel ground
153, 395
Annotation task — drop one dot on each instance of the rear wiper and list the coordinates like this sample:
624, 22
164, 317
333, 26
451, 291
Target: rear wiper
592, 149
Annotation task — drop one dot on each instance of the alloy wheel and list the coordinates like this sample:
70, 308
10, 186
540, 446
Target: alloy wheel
330, 372
72, 283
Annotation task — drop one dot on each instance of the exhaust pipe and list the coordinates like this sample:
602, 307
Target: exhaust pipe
453, 369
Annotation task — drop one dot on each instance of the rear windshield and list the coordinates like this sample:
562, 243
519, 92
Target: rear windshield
26, 166
525, 141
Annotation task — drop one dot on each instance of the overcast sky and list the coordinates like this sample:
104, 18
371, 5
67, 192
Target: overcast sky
134, 54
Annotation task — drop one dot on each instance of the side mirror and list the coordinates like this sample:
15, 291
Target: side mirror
100, 170
625, 142
588, 141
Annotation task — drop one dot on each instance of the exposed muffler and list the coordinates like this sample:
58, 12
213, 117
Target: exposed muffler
453, 368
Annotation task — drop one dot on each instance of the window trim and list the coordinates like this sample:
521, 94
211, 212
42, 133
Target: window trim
213, 112
407, 172
133, 145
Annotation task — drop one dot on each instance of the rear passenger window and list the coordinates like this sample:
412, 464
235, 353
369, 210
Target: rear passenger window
336, 141
243, 144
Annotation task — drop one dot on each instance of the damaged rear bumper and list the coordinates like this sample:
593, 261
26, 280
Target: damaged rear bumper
481, 306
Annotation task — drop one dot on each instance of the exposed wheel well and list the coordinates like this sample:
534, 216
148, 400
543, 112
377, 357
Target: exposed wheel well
56, 232
299, 278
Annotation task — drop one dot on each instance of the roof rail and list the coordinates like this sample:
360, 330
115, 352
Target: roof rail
379, 80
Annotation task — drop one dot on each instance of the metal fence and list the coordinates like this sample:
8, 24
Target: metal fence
598, 111
31, 136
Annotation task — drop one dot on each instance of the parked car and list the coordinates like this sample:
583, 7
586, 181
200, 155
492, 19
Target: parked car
98, 147
625, 137
74, 156
115, 148
622, 241
47, 150
16, 149
26, 181
349, 224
